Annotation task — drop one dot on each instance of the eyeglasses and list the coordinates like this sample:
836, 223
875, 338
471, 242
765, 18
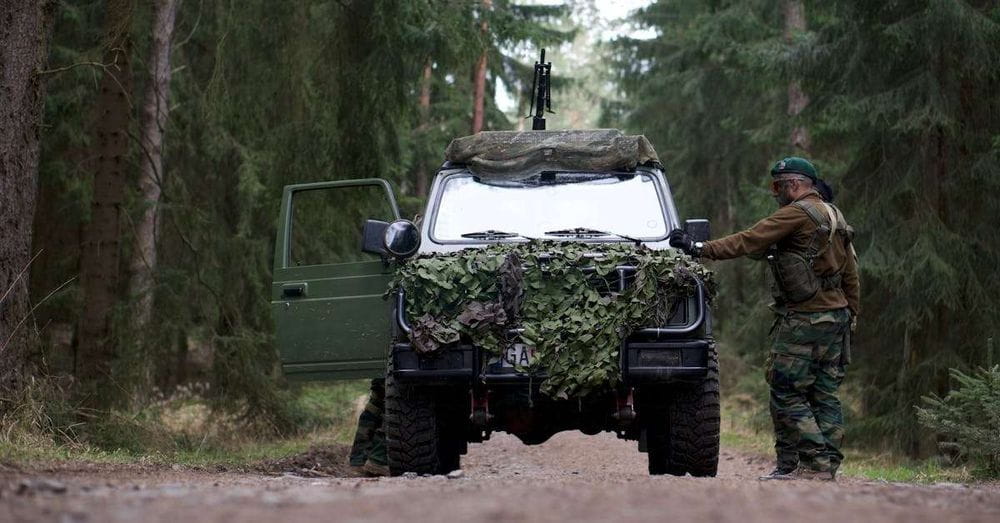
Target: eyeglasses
776, 185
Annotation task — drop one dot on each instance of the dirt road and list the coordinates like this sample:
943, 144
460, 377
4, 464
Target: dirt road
570, 478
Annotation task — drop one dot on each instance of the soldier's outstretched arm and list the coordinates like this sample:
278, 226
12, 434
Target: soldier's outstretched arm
758, 238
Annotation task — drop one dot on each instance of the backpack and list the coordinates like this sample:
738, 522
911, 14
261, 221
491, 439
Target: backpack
795, 279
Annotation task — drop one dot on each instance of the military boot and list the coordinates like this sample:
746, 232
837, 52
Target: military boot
374, 469
779, 473
377, 463
813, 474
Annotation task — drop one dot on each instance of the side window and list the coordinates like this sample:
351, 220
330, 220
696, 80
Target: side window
326, 223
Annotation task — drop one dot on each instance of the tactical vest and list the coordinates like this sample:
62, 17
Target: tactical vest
795, 279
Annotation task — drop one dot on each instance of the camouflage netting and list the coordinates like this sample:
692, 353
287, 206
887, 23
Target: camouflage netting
512, 154
575, 320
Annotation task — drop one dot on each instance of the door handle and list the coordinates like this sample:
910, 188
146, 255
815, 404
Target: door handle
294, 290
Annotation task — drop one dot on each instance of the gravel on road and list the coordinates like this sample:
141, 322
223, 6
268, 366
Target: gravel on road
572, 477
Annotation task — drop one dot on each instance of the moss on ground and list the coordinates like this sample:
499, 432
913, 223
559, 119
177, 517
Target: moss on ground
184, 430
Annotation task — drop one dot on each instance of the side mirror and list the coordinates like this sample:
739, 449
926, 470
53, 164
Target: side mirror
698, 229
401, 238
373, 236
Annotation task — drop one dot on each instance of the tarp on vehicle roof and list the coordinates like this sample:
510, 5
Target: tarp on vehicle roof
522, 153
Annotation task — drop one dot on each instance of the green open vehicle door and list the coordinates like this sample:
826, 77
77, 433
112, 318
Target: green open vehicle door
326, 297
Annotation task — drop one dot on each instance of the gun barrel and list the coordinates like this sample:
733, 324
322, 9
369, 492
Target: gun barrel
540, 93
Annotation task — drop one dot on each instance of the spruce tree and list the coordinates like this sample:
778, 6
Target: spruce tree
909, 103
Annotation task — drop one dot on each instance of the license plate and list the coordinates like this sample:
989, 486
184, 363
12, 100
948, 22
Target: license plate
517, 354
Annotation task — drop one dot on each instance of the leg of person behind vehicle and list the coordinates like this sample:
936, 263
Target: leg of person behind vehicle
368, 450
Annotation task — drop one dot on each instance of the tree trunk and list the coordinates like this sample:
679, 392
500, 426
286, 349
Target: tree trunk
425, 125
795, 22
479, 77
99, 257
25, 26
151, 176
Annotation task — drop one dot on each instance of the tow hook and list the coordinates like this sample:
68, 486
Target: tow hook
481, 416
625, 412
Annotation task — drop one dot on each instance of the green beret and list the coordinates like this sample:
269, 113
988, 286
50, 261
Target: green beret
794, 164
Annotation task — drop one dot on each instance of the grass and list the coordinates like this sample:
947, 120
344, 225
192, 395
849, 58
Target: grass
749, 431
183, 430
893, 469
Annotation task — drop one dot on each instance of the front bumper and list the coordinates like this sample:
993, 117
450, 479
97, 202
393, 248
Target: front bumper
664, 361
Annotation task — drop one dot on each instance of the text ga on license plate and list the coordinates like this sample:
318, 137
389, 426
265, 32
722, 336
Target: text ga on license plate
517, 354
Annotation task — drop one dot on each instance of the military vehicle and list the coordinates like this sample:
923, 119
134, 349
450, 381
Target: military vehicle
339, 242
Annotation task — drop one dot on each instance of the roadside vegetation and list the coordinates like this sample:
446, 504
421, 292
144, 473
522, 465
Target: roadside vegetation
968, 419
860, 462
965, 421
750, 432
183, 429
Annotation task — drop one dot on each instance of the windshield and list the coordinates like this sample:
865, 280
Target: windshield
549, 205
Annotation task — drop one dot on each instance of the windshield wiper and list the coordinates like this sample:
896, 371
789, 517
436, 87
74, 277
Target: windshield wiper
491, 234
585, 232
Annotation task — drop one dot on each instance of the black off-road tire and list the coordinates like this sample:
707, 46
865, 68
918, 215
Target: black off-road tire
450, 456
654, 410
682, 427
695, 420
411, 429
451, 420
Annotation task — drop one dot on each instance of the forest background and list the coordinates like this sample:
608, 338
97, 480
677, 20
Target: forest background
159, 135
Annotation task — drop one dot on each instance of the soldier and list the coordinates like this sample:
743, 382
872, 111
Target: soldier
368, 451
807, 242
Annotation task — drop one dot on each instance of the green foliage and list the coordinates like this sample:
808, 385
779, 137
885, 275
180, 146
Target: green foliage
904, 122
575, 319
969, 416
329, 90
909, 112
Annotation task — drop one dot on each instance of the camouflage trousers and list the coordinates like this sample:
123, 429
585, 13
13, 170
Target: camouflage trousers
805, 368
369, 440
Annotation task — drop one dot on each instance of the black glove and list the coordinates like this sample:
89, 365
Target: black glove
680, 239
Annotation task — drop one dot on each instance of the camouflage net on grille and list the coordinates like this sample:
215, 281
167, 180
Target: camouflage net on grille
566, 301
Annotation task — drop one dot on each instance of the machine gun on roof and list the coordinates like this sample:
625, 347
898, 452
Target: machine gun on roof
541, 94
